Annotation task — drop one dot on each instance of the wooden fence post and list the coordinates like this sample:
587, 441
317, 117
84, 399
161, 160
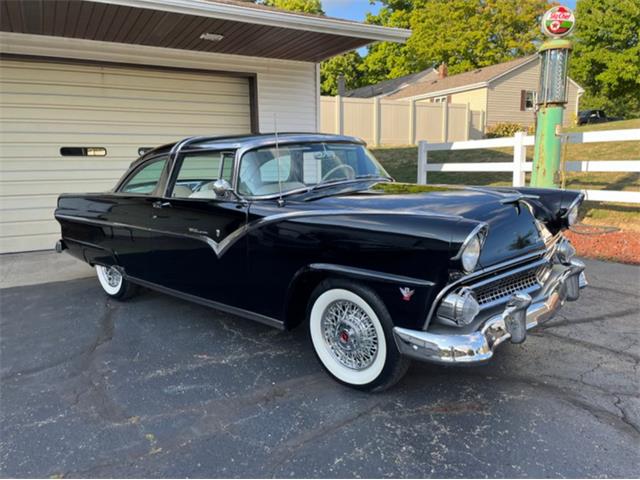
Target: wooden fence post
422, 162
519, 157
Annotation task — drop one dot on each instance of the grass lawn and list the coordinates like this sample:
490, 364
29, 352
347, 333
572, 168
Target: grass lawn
401, 163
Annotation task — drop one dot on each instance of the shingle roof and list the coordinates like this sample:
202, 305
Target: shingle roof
389, 86
479, 75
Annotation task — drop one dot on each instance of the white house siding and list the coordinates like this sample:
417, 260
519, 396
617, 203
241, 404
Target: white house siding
503, 101
128, 112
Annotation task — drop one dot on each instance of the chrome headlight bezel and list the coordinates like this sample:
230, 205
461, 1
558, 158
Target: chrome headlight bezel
470, 250
570, 216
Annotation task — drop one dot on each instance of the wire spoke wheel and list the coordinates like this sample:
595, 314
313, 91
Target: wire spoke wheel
350, 334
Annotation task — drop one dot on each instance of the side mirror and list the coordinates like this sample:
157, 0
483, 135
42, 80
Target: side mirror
221, 187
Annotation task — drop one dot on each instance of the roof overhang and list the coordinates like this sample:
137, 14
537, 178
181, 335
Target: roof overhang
249, 30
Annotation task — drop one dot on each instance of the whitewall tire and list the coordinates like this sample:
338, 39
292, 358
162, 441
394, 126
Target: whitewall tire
113, 283
351, 334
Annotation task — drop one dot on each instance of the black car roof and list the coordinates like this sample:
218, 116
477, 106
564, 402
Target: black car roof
234, 142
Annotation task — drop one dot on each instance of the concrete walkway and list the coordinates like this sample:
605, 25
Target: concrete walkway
32, 268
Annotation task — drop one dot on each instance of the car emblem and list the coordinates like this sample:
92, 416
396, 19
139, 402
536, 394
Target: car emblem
407, 293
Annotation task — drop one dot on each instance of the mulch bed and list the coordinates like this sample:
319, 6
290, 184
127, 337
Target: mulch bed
605, 243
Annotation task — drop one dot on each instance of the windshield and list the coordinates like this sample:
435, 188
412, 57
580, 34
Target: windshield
305, 165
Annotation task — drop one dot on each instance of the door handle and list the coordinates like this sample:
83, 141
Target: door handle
160, 204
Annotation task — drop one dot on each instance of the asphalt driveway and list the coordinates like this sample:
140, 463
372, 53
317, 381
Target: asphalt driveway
161, 387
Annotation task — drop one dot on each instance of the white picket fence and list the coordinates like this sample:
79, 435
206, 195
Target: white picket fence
519, 166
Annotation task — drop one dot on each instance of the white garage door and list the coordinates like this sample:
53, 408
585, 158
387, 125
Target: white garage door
46, 107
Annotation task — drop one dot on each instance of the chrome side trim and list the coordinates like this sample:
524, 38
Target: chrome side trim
221, 247
218, 247
258, 317
370, 274
476, 274
482, 229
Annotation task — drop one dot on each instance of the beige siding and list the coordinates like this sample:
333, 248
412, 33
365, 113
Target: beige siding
477, 99
504, 97
46, 106
571, 111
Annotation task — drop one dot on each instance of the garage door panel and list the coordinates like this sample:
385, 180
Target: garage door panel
46, 187
12, 229
27, 243
46, 106
113, 128
20, 72
221, 93
111, 104
36, 112
17, 202
27, 214
60, 175
66, 164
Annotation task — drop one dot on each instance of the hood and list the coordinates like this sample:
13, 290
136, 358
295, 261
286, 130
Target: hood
512, 227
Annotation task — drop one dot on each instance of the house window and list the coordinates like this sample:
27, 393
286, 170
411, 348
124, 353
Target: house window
527, 100
442, 99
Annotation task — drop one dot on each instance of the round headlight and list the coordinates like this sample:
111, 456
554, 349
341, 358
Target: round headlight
471, 254
572, 216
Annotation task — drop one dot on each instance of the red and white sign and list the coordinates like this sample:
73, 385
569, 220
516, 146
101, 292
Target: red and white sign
558, 22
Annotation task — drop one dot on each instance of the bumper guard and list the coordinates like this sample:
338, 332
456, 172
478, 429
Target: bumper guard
521, 313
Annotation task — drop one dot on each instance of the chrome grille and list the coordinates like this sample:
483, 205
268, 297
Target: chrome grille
503, 288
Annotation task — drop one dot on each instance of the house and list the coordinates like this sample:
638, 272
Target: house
388, 87
505, 92
88, 84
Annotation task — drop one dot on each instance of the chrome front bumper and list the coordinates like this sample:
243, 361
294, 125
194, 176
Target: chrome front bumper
520, 314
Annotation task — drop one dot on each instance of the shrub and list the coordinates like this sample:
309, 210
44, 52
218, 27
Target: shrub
507, 129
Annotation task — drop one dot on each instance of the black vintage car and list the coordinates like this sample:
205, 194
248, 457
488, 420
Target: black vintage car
309, 229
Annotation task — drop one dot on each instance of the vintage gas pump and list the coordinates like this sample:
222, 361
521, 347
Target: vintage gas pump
557, 22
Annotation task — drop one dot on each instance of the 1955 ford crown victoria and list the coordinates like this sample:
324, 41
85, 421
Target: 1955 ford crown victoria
309, 229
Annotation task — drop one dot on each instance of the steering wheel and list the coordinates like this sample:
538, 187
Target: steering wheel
351, 173
202, 186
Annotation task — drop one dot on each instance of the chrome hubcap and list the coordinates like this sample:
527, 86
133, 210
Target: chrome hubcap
113, 277
350, 334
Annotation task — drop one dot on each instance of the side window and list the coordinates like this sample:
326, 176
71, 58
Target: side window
199, 171
145, 180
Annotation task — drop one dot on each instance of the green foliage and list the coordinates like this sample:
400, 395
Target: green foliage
348, 64
462, 33
506, 129
606, 56
304, 6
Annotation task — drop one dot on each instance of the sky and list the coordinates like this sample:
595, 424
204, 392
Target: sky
349, 9
357, 9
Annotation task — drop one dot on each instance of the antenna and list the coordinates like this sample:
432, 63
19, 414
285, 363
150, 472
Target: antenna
275, 127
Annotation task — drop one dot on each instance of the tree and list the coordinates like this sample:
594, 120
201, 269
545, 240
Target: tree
348, 64
304, 6
465, 34
606, 56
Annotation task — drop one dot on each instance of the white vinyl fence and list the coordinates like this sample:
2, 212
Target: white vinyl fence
519, 166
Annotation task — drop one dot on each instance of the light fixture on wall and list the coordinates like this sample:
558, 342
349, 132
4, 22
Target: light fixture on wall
212, 37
